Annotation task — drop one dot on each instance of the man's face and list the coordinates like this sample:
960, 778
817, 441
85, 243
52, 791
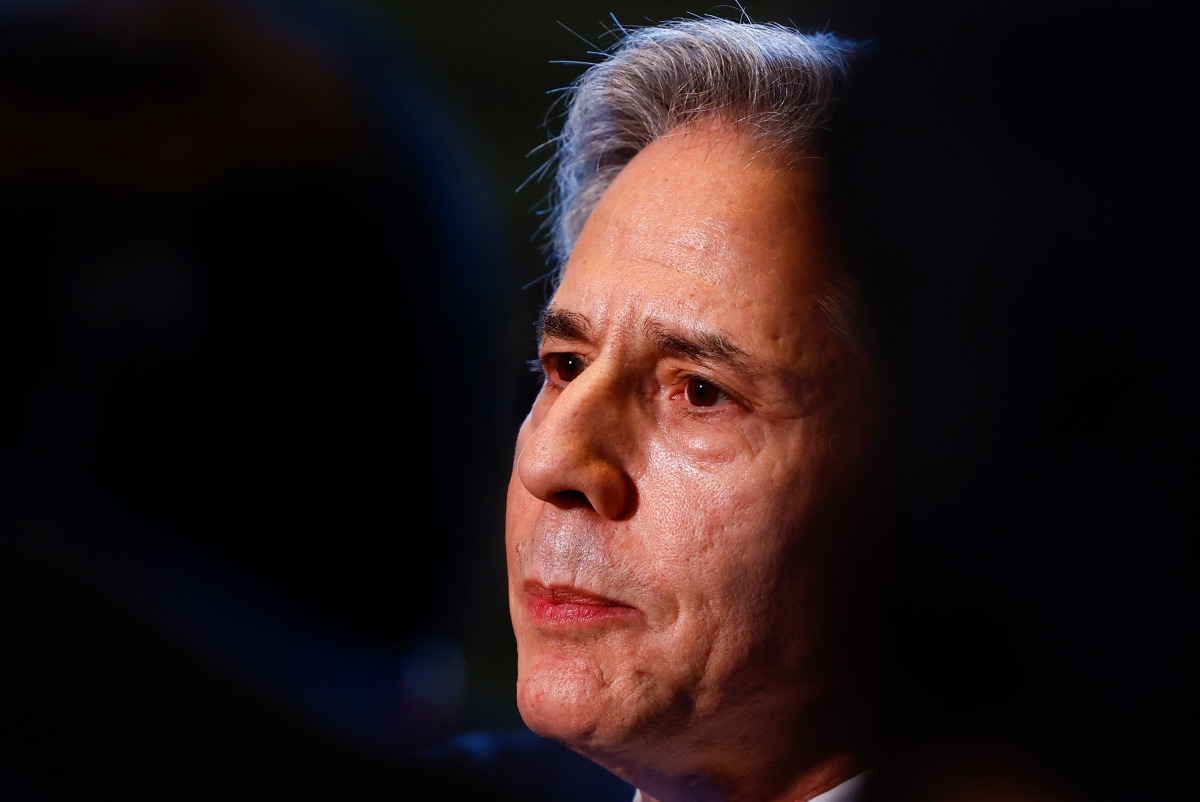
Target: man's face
662, 528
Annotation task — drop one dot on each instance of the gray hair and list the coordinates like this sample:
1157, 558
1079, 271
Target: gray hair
771, 82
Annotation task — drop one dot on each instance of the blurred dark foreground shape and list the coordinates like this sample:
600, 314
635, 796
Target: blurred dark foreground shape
1012, 181
251, 403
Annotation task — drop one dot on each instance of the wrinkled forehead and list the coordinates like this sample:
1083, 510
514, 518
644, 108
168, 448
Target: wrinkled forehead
700, 212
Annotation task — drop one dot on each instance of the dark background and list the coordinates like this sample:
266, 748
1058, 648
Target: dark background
1005, 176
268, 276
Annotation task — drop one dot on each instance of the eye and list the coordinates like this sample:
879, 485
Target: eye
701, 392
562, 368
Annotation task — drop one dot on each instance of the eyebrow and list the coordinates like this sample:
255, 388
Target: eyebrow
563, 325
705, 347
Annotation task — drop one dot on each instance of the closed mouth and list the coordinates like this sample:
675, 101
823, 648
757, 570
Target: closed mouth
560, 605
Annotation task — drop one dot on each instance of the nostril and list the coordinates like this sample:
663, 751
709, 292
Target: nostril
571, 498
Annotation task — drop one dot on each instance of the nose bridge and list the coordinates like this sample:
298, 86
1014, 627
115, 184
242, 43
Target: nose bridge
594, 400
578, 451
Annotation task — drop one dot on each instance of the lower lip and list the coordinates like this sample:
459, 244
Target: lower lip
550, 613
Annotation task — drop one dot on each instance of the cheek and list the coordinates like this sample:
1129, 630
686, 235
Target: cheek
726, 530
722, 567
705, 443
718, 528
722, 480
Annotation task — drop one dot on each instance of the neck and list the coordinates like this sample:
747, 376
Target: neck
768, 785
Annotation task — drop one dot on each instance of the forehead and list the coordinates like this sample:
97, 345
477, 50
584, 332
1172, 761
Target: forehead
701, 232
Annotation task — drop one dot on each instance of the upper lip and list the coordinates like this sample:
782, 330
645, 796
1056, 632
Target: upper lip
567, 594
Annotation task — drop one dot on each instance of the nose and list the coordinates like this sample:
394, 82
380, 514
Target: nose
575, 450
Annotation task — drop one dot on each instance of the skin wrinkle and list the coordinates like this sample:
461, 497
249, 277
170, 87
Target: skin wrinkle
697, 345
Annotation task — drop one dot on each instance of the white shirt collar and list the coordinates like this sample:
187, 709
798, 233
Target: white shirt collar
847, 791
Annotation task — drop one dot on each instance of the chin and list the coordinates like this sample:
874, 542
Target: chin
563, 700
